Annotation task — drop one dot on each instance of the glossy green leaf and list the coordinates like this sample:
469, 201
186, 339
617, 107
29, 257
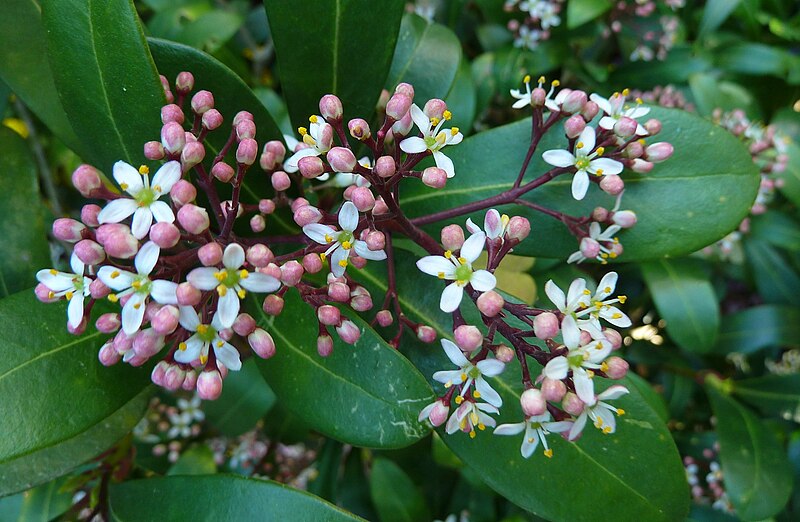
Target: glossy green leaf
211, 30
245, 399
685, 299
680, 64
791, 176
710, 93
758, 477
46, 502
776, 280
777, 229
756, 59
197, 460
637, 470
22, 227
105, 76
759, 327
715, 13
427, 56
461, 100
366, 395
64, 405
21, 38
772, 394
394, 494
685, 203
343, 47
217, 497
581, 11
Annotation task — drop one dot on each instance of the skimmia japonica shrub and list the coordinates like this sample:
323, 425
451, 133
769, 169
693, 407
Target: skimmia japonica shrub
173, 245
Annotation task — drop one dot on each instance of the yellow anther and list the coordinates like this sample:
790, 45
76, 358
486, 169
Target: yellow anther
474, 418
599, 346
459, 399
448, 384
51, 294
144, 169
626, 92
68, 295
472, 434
607, 290
604, 255
579, 145
590, 374
219, 276
555, 83
481, 426
313, 119
323, 256
203, 359
123, 186
599, 422
220, 344
302, 130
612, 255
620, 411
440, 275
622, 298
462, 260
476, 394
606, 430
182, 347
541, 79
548, 453
454, 131
604, 367
615, 240
53, 271
138, 305
136, 285
447, 115
308, 140
463, 377
244, 274
527, 79
639, 101
598, 172
587, 292
242, 293
328, 238
222, 290
343, 263
202, 329
448, 254
601, 151
113, 298
347, 245
434, 121
617, 316
157, 188
642, 142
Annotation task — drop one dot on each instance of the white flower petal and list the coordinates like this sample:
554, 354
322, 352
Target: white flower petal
607, 122
76, 264
348, 216
227, 354
162, 212
445, 376
473, 246
556, 368
57, 282
194, 348
529, 443
559, 158
601, 102
318, 232
435, 265
609, 166
454, 353
117, 210
483, 280
75, 310
570, 332
132, 314
228, 308
189, 318
615, 316
233, 257
613, 392
164, 292
142, 219
129, 177
451, 298
577, 427
339, 258
420, 119
576, 295
606, 286
510, 429
580, 184
203, 278
115, 279
363, 251
472, 228
444, 163
167, 175
146, 258
260, 283
587, 137
556, 295
290, 165
413, 145
584, 387
487, 392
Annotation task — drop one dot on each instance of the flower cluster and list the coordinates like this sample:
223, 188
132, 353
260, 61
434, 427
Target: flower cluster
539, 16
648, 23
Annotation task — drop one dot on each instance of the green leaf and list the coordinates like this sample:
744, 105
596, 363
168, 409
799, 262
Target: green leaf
637, 469
758, 477
685, 299
64, 405
677, 68
772, 394
715, 13
756, 59
22, 37
461, 100
791, 176
341, 47
777, 229
776, 280
22, 227
217, 497
46, 502
710, 93
427, 56
105, 77
760, 327
197, 460
685, 203
211, 30
394, 494
366, 395
245, 399
581, 11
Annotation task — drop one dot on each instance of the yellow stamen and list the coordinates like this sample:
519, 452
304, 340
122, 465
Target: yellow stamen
472, 434
600, 151
447, 115
53, 271
454, 131
620, 411
308, 140
242, 293
136, 306
328, 238
219, 276
222, 290
343, 263
182, 347
587, 292
462, 260
220, 344
68, 295
346, 245
476, 394
604, 367
590, 374
302, 130
136, 285
555, 83
115, 274
548, 453
617, 316
606, 430
244, 274
622, 298
202, 329
448, 384
123, 186
440, 275
203, 359
639, 101
579, 145
313, 119
51, 294
144, 169
626, 92
527, 79
434, 121
113, 298
447, 254
598, 172
323, 256
481, 426
459, 399
612, 255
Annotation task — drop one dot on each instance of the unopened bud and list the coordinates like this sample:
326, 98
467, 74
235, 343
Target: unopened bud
262, 343
339, 292
613, 337
259, 255
546, 325
652, 126
376, 240
165, 86
348, 332
212, 119
108, 323
590, 110
273, 304
182, 192
574, 126
434, 177
641, 166
170, 113
69, 230
658, 152
574, 102
617, 367
166, 320
341, 159
244, 325
154, 150
98, 289
518, 228
291, 273
184, 82
173, 377
312, 263
192, 154
613, 185
533, 402
241, 116
625, 127
89, 215
504, 354
173, 137
329, 315
490, 303
398, 106
306, 215
572, 404
589, 248
202, 101
108, 356
624, 218
245, 129
90, 252
324, 345
209, 385
600, 214
385, 167
434, 108
363, 199
384, 318
86, 179
311, 167
147, 343
426, 334
468, 337
247, 151
452, 237
280, 181
165, 235
359, 129
538, 96
193, 219
553, 389
330, 107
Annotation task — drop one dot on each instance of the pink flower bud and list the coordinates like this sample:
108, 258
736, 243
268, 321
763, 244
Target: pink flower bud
452, 237
306, 215
385, 167
210, 254
532, 402
268, 161
147, 343
468, 337
86, 179
89, 215
173, 137
658, 152
572, 404
490, 303
634, 150
434, 108
553, 390
329, 315
188, 295
271, 270
202, 101
624, 218
277, 148
359, 129
312, 263
165, 86
324, 345
311, 167
258, 223
154, 150
613, 337
262, 343
400, 128
363, 199
375, 240
574, 125
574, 102
165, 235
108, 356
182, 193
193, 219
361, 301
98, 289
348, 332
173, 377
69, 230
165, 321
291, 273
504, 354
241, 116
589, 248
438, 414
518, 228
546, 325
434, 177
171, 113
590, 110
538, 96
405, 88
426, 334
209, 385
246, 129
157, 375
259, 255
90, 252
384, 318
652, 126
108, 323
244, 325
266, 206
192, 154
625, 127
44, 294
617, 367
338, 292
122, 343
341, 159
273, 304
280, 180
190, 381
600, 214
398, 106
330, 107
247, 151
118, 243
641, 166
184, 83
613, 185
380, 207
348, 192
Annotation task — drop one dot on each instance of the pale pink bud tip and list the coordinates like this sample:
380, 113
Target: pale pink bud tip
183, 192
518, 228
624, 218
165, 235
202, 101
614, 337
247, 151
533, 402
438, 414
546, 325
574, 102
426, 334
341, 159
468, 337
658, 152
165, 320
613, 185
273, 304
574, 125
384, 318
553, 390
90, 252
348, 332
86, 179
108, 356
69, 230
625, 127
385, 167
173, 137
617, 367
504, 354
330, 106
572, 404
280, 181
173, 377
359, 129
328, 315
262, 343
108, 323
434, 177
490, 303
184, 82
193, 219
452, 237
324, 345
434, 108
192, 154
291, 273
209, 385
397, 106
363, 199
311, 167
188, 295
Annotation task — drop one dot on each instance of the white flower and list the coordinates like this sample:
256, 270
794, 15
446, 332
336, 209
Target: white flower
585, 162
569, 304
231, 282
145, 204
195, 348
433, 139
316, 143
345, 179
494, 225
600, 307
470, 415
599, 236
75, 287
459, 269
181, 425
581, 361
469, 373
139, 286
615, 109
528, 37
601, 413
524, 98
192, 407
536, 429
342, 242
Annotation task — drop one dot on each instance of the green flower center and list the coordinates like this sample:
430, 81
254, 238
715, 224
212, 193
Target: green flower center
229, 277
463, 274
206, 333
575, 361
474, 373
345, 239
582, 163
142, 285
146, 197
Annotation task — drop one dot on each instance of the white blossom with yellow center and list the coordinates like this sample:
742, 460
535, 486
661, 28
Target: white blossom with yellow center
73, 287
205, 336
433, 138
536, 429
